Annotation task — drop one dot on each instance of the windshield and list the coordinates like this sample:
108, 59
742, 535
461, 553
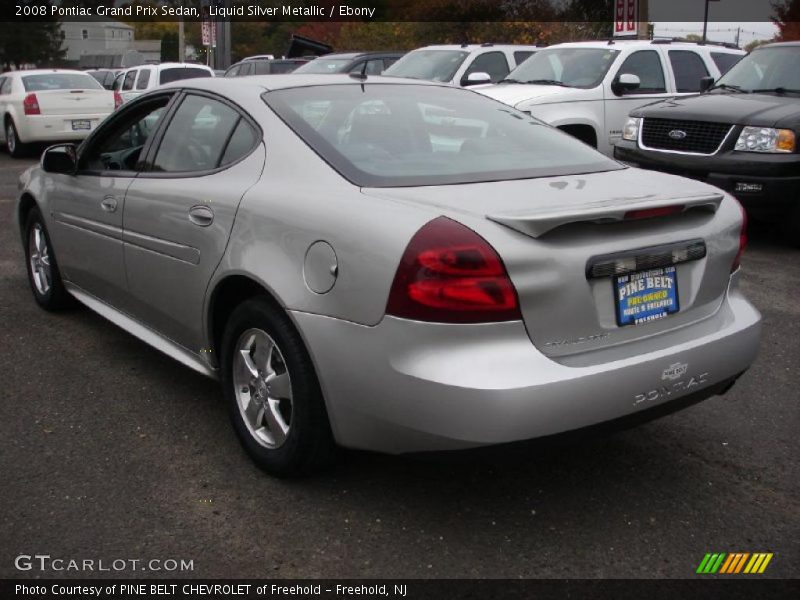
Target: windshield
178, 73
431, 65
389, 135
573, 67
324, 65
765, 69
60, 81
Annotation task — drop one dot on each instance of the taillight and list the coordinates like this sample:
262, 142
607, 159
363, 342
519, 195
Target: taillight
450, 274
649, 213
30, 105
742, 240
117, 100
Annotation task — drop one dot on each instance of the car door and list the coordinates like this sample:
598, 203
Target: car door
494, 63
648, 65
179, 212
5, 91
89, 205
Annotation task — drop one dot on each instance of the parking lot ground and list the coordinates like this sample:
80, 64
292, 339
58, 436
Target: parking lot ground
110, 450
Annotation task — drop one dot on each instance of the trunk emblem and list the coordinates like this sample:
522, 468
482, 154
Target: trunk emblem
675, 371
677, 134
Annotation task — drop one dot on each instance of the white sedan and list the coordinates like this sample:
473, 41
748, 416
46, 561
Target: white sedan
50, 105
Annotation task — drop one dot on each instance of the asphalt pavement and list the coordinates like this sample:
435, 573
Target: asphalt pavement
109, 450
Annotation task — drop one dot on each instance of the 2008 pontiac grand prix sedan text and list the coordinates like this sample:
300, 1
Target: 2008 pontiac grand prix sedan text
389, 264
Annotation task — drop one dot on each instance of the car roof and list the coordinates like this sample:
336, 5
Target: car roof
645, 44
473, 47
780, 44
41, 71
351, 55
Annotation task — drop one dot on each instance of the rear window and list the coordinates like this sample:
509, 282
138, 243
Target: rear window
725, 61
60, 81
179, 73
388, 135
325, 65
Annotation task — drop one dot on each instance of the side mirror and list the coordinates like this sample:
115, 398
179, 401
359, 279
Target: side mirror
476, 78
706, 83
62, 158
625, 83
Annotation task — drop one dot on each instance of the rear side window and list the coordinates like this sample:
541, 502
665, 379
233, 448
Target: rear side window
198, 136
646, 65
262, 67
688, 68
144, 79
493, 63
130, 76
725, 61
521, 56
179, 73
241, 142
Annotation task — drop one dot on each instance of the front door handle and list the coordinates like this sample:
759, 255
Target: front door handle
109, 204
201, 215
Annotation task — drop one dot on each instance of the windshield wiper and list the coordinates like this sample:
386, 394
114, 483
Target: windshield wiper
728, 86
547, 82
777, 90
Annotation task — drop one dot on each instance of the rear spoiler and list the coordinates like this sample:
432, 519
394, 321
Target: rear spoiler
536, 224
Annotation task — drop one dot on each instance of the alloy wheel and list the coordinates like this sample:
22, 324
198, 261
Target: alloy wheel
39, 258
11, 138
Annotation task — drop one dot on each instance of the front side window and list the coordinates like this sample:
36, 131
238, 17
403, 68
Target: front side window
569, 67
197, 136
143, 80
430, 65
60, 81
493, 63
688, 68
130, 77
387, 135
119, 146
646, 65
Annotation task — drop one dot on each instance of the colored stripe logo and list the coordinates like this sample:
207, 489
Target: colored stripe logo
734, 563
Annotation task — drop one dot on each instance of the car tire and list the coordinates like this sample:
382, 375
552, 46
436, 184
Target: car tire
44, 276
16, 148
273, 395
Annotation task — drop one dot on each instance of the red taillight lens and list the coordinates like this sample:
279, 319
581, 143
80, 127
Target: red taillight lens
742, 240
117, 100
450, 274
649, 213
31, 105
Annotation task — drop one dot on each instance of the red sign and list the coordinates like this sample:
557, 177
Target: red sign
626, 17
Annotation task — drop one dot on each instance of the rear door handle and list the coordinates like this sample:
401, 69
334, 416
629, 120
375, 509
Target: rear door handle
109, 204
201, 215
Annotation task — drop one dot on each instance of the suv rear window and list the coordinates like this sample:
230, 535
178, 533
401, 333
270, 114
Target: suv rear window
179, 73
390, 135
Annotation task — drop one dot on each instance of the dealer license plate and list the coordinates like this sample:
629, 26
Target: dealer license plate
82, 125
645, 296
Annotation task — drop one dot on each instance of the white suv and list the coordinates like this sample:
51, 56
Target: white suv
137, 80
588, 88
468, 64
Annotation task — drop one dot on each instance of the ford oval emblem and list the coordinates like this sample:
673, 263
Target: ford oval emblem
677, 134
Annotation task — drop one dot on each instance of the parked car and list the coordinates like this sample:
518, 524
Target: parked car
49, 105
370, 63
465, 65
588, 88
104, 77
137, 80
415, 270
264, 66
741, 135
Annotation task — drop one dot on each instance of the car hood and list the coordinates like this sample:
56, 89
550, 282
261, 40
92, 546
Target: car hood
762, 110
520, 95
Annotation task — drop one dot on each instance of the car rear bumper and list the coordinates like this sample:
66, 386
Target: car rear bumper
404, 386
767, 185
56, 128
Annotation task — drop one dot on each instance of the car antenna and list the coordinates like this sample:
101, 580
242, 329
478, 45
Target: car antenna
361, 75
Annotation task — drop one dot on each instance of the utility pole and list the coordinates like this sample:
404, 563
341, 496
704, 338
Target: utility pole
181, 41
705, 20
222, 53
644, 20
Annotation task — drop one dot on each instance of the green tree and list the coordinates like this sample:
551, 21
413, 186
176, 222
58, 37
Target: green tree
38, 42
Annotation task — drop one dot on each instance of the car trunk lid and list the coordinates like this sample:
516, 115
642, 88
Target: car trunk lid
74, 102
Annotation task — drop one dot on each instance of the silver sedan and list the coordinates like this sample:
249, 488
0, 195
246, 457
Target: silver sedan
391, 265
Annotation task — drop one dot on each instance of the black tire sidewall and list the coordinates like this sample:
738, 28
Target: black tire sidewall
309, 439
56, 297
19, 147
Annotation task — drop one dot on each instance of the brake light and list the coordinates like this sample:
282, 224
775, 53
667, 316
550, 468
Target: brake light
30, 105
117, 100
742, 239
649, 213
450, 274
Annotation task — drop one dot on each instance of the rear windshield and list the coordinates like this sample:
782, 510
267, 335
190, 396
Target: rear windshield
178, 73
60, 81
431, 65
389, 135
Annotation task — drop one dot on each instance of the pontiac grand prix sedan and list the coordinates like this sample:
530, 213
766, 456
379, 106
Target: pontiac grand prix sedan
390, 265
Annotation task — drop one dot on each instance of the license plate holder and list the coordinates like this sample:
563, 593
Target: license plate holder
644, 296
81, 125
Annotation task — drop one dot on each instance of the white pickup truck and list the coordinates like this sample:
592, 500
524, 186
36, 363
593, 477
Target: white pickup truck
588, 88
